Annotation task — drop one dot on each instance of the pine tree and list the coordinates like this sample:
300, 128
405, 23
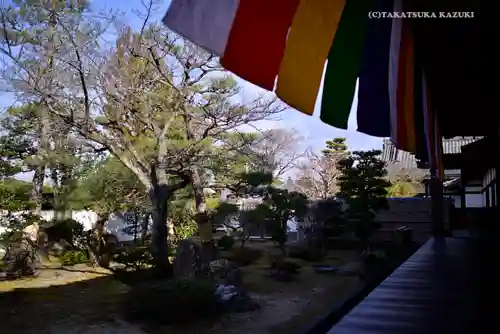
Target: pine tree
364, 187
336, 145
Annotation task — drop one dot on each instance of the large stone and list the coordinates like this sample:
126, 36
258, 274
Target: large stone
20, 259
234, 300
226, 273
187, 263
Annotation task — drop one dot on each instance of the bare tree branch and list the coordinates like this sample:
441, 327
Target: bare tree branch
317, 177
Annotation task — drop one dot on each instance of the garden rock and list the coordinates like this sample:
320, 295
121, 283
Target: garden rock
234, 276
60, 247
226, 273
187, 264
20, 259
234, 300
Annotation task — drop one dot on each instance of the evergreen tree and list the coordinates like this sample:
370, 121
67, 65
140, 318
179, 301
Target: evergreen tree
336, 145
363, 186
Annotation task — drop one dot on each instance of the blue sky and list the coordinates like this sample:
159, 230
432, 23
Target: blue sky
311, 128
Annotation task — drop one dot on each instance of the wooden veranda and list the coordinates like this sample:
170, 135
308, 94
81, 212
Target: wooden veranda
445, 287
448, 285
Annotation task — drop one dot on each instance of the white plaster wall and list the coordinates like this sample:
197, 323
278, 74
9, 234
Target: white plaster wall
115, 225
474, 200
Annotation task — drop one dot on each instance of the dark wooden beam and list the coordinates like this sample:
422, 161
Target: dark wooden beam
463, 199
458, 57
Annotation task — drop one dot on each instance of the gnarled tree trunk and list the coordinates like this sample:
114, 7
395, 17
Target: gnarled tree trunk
159, 244
159, 196
39, 178
144, 227
37, 190
202, 219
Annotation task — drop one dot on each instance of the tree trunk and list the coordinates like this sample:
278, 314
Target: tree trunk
39, 176
66, 189
283, 238
102, 248
159, 195
159, 245
136, 226
38, 180
37, 190
202, 219
54, 175
61, 179
144, 227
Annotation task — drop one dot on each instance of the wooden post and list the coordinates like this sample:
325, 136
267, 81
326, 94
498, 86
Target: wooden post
497, 167
496, 214
463, 199
436, 188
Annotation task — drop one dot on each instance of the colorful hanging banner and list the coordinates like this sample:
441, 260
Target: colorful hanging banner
373, 113
420, 138
257, 40
405, 102
260, 40
431, 129
402, 84
309, 40
205, 23
344, 62
393, 72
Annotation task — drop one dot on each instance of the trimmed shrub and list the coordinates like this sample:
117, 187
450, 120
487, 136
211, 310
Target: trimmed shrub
68, 230
134, 257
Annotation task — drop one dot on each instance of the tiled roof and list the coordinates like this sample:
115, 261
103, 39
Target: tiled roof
454, 145
407, 160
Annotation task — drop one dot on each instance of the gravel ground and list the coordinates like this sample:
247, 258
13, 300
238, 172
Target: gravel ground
83, 300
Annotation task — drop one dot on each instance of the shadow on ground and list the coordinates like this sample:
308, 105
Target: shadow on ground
50, 309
